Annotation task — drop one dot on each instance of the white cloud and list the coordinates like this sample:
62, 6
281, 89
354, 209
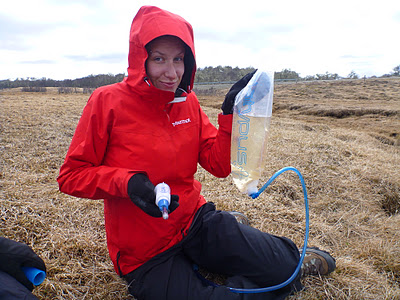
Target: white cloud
75, 38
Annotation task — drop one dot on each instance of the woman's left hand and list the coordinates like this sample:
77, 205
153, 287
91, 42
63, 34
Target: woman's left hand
227, 105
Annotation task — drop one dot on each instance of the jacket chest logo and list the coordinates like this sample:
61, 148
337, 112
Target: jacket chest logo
185, 121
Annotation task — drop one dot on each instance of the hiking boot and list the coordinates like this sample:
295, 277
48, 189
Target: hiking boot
317, 262
241, 218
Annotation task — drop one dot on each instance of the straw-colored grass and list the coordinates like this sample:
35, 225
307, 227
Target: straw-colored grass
342, 135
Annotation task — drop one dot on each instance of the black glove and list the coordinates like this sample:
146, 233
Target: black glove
227, 105
14, 256
141, 192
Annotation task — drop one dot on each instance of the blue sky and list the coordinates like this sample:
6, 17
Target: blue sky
75, 38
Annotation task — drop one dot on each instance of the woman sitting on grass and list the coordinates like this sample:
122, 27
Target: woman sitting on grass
150, 129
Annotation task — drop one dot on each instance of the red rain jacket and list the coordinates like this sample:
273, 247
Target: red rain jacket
132, 127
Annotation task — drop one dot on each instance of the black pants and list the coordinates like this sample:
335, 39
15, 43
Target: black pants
217, 242
12, 289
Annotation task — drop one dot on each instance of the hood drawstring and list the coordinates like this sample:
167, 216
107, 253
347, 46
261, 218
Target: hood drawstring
146, 80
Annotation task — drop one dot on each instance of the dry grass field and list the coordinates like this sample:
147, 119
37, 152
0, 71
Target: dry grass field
342, 135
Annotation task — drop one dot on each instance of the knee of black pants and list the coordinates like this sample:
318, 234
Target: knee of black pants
224, 245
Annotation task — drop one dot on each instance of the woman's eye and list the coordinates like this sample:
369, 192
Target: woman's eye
178, 58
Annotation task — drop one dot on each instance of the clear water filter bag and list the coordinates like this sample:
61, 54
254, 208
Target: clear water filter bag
252, 113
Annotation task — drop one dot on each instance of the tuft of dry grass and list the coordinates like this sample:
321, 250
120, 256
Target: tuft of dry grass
350, 165
67, 232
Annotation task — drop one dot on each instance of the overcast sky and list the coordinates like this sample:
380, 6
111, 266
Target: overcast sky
68, 39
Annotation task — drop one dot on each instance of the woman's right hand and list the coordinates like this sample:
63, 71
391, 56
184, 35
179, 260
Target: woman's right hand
141, 192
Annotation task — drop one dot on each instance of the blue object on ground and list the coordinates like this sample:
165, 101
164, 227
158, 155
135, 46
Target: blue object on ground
34, 275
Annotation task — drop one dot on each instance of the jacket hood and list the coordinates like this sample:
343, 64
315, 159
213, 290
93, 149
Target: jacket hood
149, 23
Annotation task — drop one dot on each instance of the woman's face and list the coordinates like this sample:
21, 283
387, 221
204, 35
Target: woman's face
165, 66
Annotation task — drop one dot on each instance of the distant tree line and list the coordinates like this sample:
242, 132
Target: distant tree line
91, 82
221, 74
203, 75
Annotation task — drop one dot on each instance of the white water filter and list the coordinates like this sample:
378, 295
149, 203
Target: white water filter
252, 113
163, 198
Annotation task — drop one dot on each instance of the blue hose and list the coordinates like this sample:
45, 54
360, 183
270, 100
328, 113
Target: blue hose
297, 270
